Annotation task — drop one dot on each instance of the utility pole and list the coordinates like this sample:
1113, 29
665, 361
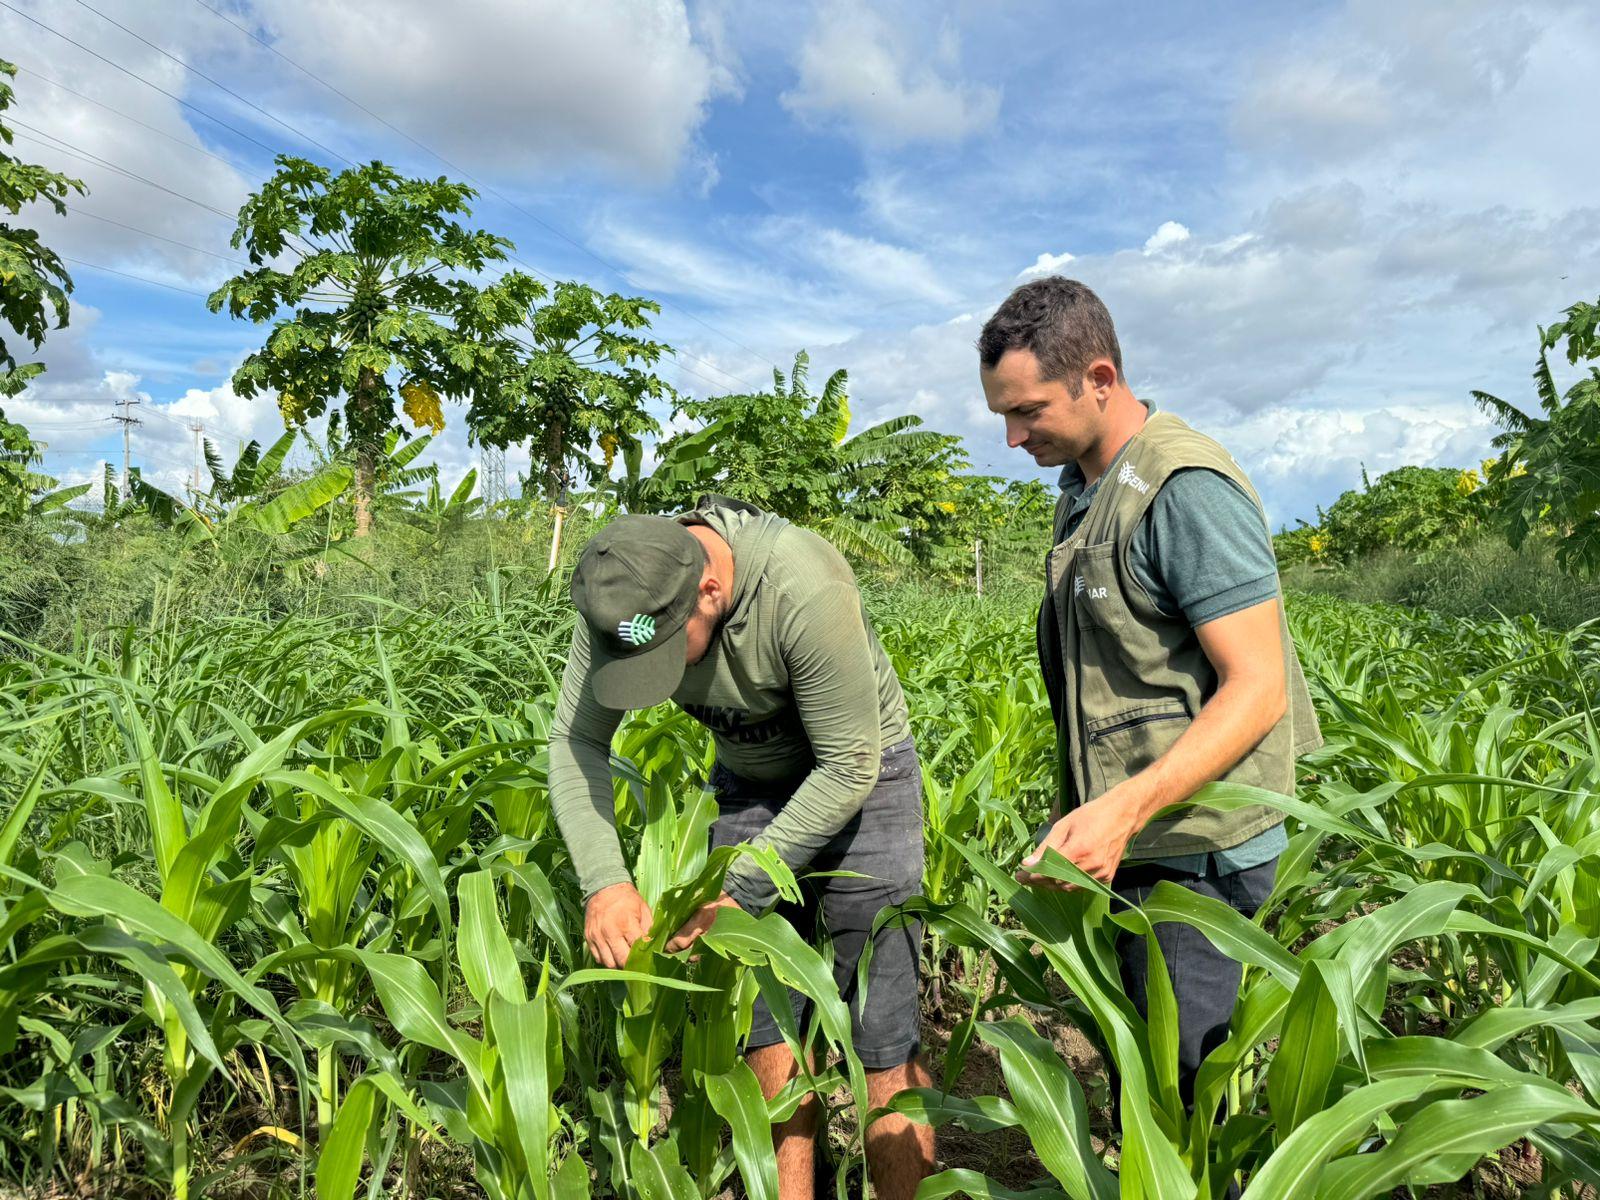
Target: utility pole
977, 564
199, 457
127, 421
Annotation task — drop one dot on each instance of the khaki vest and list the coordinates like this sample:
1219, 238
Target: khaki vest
1136, 677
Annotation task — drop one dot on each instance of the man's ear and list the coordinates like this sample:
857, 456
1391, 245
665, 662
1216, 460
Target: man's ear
1102, 374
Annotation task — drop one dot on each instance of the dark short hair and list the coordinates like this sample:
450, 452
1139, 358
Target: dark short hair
1063, 323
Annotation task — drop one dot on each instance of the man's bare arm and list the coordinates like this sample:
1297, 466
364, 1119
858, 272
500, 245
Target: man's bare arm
1245, 650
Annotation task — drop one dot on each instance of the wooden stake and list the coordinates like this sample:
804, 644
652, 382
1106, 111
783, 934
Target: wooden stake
555, 537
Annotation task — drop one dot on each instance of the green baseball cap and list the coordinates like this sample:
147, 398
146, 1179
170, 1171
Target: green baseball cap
636, 585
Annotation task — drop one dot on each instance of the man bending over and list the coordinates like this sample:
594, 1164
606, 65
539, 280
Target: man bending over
755, 627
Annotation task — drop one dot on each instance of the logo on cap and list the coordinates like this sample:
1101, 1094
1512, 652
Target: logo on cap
638, 630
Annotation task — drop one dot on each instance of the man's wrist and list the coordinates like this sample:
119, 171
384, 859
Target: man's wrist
1138, 800
605, 883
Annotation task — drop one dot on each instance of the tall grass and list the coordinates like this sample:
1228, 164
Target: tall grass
1479, 579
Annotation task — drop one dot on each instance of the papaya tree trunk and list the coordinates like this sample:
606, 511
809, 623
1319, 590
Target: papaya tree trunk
555, 458
365, 484
363, 416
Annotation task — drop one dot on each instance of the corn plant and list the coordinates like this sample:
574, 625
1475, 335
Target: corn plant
289, 894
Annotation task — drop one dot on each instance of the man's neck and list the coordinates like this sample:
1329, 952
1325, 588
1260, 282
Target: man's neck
1125, 416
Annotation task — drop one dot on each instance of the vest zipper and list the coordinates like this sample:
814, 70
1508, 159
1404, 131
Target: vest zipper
1134, 722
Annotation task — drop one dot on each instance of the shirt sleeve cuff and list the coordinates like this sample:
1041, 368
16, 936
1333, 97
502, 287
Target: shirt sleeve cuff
1232, 600
752, 892
598, 883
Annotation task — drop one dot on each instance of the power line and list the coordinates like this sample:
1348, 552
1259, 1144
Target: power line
214, 83
81, 426
135, 75
83, 212
62, 146
79, 152
115, 111
171, 287
145, 453
489, 188
210, 421
711, 383
85, 426
70, 148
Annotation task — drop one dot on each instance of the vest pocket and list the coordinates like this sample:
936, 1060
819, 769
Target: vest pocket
1096, 591
1125, 743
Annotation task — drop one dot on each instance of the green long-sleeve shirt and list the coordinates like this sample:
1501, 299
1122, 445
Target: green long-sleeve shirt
796, 683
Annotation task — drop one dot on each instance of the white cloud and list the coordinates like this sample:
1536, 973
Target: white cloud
870, 266
1327, 333
1293, 453
523, 86
783, 282
1046, 264
1401, 201
858, 66
1170, 234
712, 21
1467, 103
1380, 72
127, 123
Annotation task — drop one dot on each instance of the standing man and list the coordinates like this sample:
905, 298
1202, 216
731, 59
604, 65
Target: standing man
755, 627
1161, 637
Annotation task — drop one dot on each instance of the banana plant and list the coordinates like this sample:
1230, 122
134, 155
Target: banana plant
254, 495
441, 515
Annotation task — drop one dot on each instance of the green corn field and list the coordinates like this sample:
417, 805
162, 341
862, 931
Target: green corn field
283, 912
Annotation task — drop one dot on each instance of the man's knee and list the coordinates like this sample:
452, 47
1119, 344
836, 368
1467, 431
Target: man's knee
885, 1083
775, 1068
773, 1065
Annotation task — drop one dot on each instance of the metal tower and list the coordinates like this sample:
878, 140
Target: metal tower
492, 475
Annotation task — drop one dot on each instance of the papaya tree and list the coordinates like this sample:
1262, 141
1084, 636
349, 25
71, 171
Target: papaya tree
34, 297
369, 279
581, 373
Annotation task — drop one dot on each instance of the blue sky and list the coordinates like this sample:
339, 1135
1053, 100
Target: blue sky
1318, 226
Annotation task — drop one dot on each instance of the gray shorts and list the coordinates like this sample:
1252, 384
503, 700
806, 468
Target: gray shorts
884, 842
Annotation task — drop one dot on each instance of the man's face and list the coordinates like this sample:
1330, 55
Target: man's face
1042, 416
710, 610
